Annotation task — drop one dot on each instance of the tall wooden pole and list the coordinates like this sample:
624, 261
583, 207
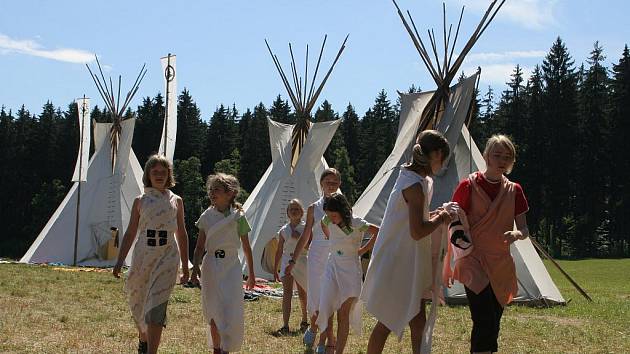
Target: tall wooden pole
76, 223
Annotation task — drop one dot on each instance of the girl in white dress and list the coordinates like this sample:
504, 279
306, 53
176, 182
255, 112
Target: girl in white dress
341, 283
223, 228
400, 269
288, 237
157, 219
318, 250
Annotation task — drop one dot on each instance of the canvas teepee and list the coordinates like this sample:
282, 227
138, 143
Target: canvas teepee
297, 163
447, 109
113, 180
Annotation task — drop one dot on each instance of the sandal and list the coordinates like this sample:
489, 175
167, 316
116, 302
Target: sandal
303, 326
143, 347
283, 331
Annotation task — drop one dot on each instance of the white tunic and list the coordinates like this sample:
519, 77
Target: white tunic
155, 260
317, 255
221, 278
342, 278
299, 269
400, 268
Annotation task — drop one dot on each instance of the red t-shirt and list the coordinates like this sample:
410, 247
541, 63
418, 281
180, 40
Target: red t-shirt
462, 194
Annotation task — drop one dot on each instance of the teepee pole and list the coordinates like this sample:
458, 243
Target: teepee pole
566, 275
76, 221
167, 76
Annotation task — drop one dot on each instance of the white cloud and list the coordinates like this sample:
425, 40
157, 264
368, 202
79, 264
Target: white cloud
498, 74
532, 14
33, 48
505, 56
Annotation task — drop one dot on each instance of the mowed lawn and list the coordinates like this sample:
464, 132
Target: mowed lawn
47, 310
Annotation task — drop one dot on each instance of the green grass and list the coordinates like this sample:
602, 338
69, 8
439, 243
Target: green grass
44, 310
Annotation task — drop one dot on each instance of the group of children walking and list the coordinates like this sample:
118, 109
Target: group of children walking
402, 275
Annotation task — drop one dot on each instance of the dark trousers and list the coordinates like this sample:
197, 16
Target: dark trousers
486, 313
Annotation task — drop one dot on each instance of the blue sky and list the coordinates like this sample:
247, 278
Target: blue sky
222, 58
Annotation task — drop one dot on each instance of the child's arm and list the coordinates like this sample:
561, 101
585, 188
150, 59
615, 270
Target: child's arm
182, 240
247, 250
276, 263
418, 226
304, 238
521, 232
129, 237
198, 254
372, 230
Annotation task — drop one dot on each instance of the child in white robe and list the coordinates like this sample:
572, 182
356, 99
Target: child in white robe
223, 228
157, 220
341, 283
400, 270
288, 237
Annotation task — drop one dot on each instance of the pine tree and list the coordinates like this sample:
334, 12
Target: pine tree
620, 164
222, 137
592, 178
280, 111
255, 151
191, 129
560, 100
350, 126
191, 188
326, 113
148, 129
341, 161
531, 162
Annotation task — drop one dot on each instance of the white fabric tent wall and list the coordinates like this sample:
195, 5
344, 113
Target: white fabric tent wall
535, 284
266, 206
106, 201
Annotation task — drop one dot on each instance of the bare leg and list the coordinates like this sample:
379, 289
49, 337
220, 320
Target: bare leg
287, 294
416, 325
141, 335
378, 338
302, 296
343, 324
154, 332
214, 333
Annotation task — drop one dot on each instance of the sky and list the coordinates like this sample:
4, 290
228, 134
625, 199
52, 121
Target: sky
222, 57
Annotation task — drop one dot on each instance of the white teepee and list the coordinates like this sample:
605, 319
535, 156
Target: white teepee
296, 166
102, 202
535, 284
267, 204
106, 201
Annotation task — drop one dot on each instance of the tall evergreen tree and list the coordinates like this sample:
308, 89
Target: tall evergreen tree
148, 129
620, 169
326, 113
256, 151
593, 154
560, 100
191, 129
280, 111
222, 138
350, 126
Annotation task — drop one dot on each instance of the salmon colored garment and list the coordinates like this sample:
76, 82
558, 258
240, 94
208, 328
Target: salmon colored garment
490, 261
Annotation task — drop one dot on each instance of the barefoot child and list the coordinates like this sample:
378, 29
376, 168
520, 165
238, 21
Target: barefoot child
330, 181
341, 283
157, 218
288, 237
222, 230
400, 270
493, 204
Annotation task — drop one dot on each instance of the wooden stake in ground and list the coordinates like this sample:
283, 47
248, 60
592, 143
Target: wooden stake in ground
566, 275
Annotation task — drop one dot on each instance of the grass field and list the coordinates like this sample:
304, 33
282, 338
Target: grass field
47, 310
